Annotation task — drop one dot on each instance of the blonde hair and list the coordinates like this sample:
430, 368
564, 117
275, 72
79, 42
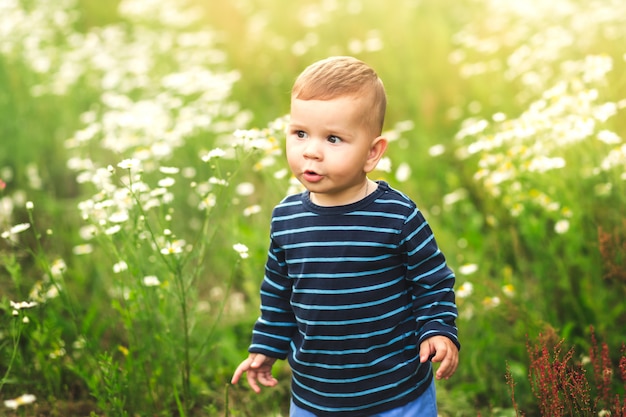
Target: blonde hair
344, 76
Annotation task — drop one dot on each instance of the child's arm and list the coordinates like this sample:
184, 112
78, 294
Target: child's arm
258, 368
433, 291
440, 349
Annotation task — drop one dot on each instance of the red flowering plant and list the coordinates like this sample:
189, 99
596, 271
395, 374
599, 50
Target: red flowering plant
563, 386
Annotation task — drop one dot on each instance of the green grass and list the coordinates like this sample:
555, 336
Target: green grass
116, 85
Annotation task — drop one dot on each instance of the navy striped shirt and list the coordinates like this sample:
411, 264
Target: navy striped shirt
349, 294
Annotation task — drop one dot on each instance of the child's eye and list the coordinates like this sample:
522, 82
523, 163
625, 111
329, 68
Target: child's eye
334, 139
300, 133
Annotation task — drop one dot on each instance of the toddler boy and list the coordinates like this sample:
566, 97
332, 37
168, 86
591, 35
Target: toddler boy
356, 295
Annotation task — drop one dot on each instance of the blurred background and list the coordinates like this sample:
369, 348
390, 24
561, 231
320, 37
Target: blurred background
141, 155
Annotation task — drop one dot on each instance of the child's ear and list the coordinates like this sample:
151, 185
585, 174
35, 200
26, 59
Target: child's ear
377, 150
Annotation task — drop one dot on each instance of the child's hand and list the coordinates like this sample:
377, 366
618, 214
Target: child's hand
259, 368
441, 349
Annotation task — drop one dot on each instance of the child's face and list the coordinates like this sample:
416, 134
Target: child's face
330, 147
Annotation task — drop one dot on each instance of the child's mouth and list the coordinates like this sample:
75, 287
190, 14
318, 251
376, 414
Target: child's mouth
311, 176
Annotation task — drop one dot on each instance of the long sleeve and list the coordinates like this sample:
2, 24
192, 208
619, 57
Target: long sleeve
274, 329
433, 294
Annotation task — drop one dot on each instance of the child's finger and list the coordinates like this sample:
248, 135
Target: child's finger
426, 352
258, 360
442, 372
267, 379
243, 367
252, 376
447, 367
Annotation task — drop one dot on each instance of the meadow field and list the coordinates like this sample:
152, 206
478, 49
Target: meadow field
141, 154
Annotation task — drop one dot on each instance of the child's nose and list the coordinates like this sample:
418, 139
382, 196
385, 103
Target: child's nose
312, 149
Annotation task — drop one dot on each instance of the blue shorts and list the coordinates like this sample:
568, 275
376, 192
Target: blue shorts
424, 406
